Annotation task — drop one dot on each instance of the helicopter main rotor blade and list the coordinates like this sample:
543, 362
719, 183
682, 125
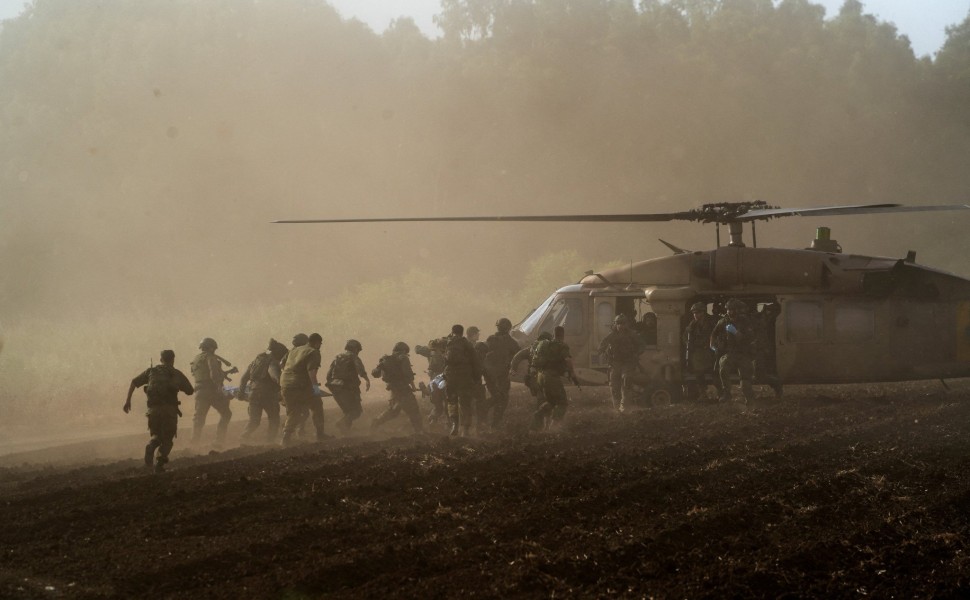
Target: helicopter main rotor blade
628, 218
859, 209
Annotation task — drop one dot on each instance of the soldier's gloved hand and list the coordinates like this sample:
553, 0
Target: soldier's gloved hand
731, 329
713, 348
317, 391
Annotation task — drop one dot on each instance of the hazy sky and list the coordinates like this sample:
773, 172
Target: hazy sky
922, 20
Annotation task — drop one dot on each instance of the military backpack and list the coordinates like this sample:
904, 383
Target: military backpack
161, 381
344, 369
259, 368
390, 370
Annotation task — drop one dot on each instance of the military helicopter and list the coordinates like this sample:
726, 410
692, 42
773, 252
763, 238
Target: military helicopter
843, 318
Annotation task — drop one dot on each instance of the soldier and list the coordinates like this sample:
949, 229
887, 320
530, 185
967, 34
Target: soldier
528, 354
553, 362
482, 403
501, 348
395, 370
343, 379
162, 384
764, 328
647, 329
209, 377
622, 348
732, 340
263, 375
697, 349
461, 371
435, 353
300, 387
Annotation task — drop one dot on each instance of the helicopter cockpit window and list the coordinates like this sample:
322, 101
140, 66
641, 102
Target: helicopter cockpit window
528, 324
854, 323
566, 312
804, 321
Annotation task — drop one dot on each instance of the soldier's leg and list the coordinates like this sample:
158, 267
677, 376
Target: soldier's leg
354, 407
155, 441
466, 407
202, 405
482, 406
545, 408
409, 404
221, 405
255, 412
725, 372
438, 405
315, 404
297, 408
500, 399
616, 387
453, 408
745, 372
626, 396
272, 408
166, 430
389, 413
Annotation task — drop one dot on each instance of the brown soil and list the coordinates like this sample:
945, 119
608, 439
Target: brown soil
829, 492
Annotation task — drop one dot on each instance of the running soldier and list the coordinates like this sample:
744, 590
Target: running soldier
528, 354
553, 362
764, 330
482, 403
733, 342
209, 378
498, 360
263, 376
395, 370
162, 384
343, 379
461, 371
698, 354
300, 387
622, 348
435, 353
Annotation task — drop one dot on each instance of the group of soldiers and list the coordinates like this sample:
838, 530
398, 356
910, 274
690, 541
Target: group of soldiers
461, 366
735, 345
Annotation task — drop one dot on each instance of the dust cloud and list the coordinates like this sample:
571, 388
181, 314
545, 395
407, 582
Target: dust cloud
145, 148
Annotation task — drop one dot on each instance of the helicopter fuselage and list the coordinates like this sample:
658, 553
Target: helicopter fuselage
843, 318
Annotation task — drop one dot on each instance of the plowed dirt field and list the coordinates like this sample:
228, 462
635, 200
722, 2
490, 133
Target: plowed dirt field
830, 492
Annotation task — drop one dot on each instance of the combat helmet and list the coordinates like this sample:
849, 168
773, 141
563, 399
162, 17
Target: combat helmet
275, 348
353, 346
503, 325
698, 307
545, 335
621, 320
300, 339
208, 345
735, 304
402, 347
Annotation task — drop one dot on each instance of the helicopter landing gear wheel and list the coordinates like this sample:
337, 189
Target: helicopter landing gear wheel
661, 395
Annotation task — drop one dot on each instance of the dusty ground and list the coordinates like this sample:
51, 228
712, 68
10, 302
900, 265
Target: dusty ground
830, 492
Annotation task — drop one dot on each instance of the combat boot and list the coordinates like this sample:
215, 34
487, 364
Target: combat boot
160, 464
149, 454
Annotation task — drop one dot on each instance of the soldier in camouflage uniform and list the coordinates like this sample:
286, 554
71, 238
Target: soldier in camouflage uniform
622, 348
482, 402
698, 353
462, 370
209, 377
553, 362
501, 349
162, 384
300, 386
395, 370
763, 324
528, 354
733, 340
435, 353
263, 376
343, 379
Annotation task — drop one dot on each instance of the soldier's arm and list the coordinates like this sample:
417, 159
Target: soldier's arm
362, 371
521, 355
408, 371
215, 370
183, 383
137, 382
245, 378
333, 364
274, 371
